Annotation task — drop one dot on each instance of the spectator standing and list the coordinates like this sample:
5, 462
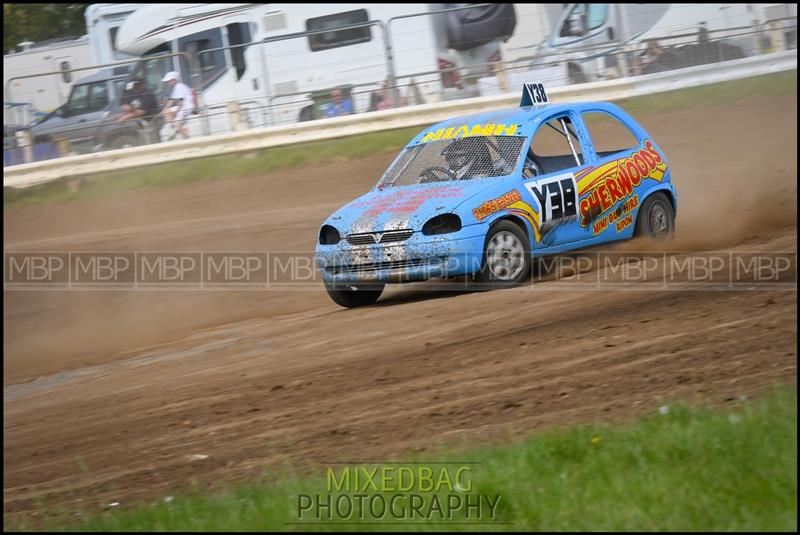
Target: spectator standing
374, 99
179, 105
384, 99
702, 34
385, 96
414, 94
703, 43
765, 41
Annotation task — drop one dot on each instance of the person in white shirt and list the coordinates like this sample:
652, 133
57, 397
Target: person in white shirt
179, 105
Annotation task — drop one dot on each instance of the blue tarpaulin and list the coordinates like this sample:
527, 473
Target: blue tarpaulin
41, 151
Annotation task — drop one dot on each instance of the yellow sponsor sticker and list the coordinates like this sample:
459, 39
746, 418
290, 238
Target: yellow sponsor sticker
486, 129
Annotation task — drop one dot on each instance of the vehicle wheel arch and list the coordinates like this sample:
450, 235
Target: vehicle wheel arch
503, 224
519, 221
665, 189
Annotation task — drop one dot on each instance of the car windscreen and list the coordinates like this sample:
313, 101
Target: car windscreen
464, 158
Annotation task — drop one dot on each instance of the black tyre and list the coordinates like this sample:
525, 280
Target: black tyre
506, 256
354, 296
656, 219
124, 141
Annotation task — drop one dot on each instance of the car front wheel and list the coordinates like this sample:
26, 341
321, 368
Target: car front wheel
506, 256
354, 296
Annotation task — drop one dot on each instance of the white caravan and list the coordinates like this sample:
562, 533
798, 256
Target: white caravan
42, 93
273, 81
605, 28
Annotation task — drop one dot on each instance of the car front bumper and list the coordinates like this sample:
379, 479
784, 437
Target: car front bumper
416, 259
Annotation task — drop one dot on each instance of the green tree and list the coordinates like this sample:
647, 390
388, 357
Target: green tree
37, 22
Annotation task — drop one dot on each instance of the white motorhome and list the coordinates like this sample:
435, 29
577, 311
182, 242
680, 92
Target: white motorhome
274, 79
607, 28
43, 93
102, 24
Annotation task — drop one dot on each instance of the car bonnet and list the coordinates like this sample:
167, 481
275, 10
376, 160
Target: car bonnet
404, 207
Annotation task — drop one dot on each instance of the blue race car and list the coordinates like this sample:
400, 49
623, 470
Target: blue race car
482, 194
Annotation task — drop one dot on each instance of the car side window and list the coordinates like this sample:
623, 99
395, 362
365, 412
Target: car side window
609, 135
78, 100
98, 96
555, 147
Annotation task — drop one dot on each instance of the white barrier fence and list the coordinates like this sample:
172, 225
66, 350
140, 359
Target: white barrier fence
25, 175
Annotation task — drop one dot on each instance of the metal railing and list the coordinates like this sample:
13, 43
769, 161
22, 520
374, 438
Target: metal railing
414, 116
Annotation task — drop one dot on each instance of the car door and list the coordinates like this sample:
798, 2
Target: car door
92, 116
65, 122
553, 158
73, 117
624, 165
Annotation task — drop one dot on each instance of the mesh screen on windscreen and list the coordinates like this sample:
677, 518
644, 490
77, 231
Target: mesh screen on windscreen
455, 159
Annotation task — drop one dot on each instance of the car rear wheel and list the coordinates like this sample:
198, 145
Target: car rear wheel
354, 296
656, 218
506, 256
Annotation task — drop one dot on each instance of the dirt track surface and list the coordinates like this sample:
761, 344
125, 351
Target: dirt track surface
108, 393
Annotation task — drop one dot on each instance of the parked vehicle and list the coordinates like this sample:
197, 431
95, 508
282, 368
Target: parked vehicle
88, 118
690, 33
64, 55
483, 194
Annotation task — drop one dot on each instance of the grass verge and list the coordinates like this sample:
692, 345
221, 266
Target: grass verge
320, 152
679, 469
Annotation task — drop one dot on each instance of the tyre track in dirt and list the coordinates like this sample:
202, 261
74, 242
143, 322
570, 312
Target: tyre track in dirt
372, 405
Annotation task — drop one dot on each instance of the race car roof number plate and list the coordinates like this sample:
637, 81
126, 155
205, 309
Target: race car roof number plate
533, 94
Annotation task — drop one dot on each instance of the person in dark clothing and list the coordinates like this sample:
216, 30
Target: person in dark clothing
656, 59
374, 99
703, 44
470, 157
138, 103
702, 34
